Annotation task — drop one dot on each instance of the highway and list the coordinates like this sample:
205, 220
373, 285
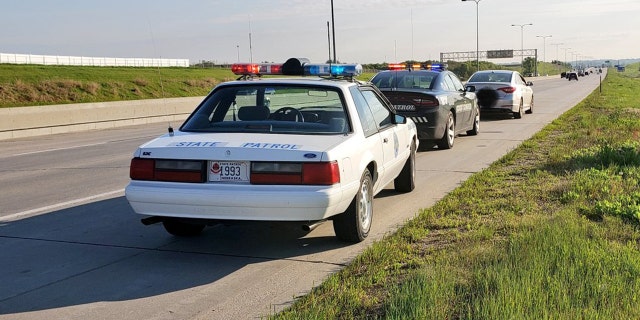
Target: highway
72, 248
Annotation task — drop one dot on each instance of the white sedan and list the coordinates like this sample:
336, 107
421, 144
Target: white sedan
502, 91
305, 149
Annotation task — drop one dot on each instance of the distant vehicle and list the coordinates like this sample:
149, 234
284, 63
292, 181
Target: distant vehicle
502, 91
323, 147
435, 99
563, 74
572, 76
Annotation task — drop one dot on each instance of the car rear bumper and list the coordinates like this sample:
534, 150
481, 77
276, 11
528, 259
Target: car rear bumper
502, 105
430, 125
239, 202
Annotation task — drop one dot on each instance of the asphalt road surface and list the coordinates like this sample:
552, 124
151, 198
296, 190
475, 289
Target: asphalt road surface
72, 248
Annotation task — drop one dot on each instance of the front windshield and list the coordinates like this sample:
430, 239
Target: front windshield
271, 109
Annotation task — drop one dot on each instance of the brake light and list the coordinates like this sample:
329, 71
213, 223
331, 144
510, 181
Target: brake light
167, 170
141, 169
426, 102
322, 173
508, 89
309, 173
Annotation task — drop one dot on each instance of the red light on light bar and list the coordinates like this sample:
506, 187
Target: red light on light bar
397, 66
270, 69
245, 68
256, 68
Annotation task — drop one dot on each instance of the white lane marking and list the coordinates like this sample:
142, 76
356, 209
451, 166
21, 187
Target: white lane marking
37, 211
49, 150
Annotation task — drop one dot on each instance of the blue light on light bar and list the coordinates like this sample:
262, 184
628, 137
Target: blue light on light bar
336, 70
435, 67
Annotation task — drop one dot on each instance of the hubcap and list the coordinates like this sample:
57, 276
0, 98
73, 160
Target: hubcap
365, 207
450, 130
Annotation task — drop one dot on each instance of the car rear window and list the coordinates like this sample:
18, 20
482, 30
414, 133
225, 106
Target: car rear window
271, 109
491, 77
404, 80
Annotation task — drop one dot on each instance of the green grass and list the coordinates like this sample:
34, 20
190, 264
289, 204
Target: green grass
31, 85
27, 85
550, 231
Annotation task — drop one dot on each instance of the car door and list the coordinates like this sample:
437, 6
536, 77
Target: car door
388, 133
465, 103
456, 101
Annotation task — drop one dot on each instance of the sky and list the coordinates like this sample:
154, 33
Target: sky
366, 31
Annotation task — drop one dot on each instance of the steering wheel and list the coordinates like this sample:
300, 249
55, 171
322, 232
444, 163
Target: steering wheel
287, 112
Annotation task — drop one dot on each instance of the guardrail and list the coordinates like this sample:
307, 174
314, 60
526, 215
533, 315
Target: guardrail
22, 122
17, 58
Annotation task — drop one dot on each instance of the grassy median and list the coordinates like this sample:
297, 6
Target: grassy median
550, 231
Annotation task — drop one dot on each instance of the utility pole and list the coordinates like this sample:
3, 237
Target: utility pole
522, 41
477, 34
333, 25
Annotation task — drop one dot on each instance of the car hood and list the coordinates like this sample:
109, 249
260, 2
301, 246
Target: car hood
241, 146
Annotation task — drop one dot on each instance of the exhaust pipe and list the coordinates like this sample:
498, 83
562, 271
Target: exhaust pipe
310, 227
151, 220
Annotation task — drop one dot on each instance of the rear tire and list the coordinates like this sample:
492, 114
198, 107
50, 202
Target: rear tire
530, 111
446, 142
519, 113
405, 182
181, 228
354, 224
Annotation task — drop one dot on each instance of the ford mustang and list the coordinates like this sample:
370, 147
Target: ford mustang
305, 149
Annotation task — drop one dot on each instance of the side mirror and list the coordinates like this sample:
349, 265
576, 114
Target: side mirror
530, 83
400, 119
470, 89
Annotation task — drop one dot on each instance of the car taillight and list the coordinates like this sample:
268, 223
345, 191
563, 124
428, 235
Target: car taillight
167, 170
307, 173
508, 89
426, 102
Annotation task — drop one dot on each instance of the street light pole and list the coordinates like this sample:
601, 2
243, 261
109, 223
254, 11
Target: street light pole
565, 57
557, 58
544, 46
477, 34
522, 41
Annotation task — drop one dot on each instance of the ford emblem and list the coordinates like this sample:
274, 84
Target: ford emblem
310, 155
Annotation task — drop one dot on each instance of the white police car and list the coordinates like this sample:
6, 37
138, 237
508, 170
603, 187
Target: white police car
304, 149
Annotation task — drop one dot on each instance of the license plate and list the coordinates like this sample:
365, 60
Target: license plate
229, 171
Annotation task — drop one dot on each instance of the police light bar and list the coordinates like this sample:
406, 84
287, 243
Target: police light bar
403, 66
297, 67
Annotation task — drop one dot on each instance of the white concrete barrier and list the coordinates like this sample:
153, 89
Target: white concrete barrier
16, 58
43, 120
